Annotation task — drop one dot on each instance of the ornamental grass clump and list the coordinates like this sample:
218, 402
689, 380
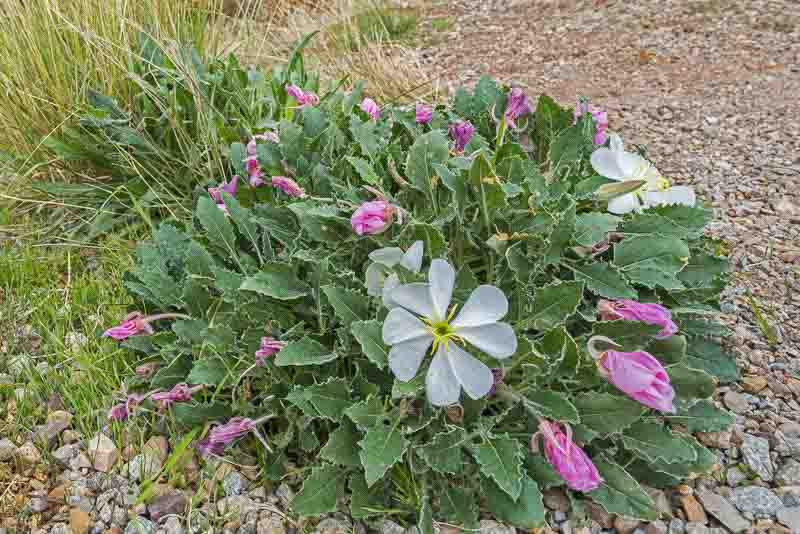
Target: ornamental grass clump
453, 317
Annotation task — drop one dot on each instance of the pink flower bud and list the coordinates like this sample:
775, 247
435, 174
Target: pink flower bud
147, 369
630, 310
133, 325
225, 187
516, 106
221, 436
370, 107
569, 460
372, 217
461, 132
269, 347
424, 114
303, 98
599, 116
120, 412
179, 393
288, 186
640, 376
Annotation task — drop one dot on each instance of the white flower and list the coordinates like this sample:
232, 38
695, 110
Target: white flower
380, 279
452, 367
617, 164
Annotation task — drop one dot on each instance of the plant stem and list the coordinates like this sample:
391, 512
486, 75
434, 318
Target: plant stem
151, 318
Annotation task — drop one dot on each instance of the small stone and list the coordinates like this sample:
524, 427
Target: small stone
172, 526
694, 511
556, 499
102, 452
734, 476
696, 528
676, 526
656, 527
599, 514
723, 510
237, 505
493, 527
65, 453
70, 436
234, 484
789, 473
332, 525
39, 502
756, 454
754, 384
158, 446
47, 434
790, 517
272, 524
660, 499
624, 525
140, 525
79, 521
787, 439
143, 466
756, 500
169, 504
59, 528
7, 449
28, 454
736, 402
285, 495
60, 416
390, 527
716, 440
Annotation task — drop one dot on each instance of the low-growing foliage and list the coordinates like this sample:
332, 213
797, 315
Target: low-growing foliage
307, 296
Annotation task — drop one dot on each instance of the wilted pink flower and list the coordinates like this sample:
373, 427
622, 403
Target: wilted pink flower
600, 120
252, 166
516, 106
569, 460
269, 347
225, 187
268, 136
135, 324
147, 369
646, 312
372, 217
461, 132
179, 393
370, 107
288, 186
424, 114
303, 98
120, 412
637, 374
221, 436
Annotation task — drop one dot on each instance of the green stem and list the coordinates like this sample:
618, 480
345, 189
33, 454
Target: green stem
501, 134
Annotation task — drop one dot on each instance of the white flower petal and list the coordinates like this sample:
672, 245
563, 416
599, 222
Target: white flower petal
487, 304
680, 194
604, 163
401, 326
623, 204
441, 384
391, 282
412, 259
497, 339
442, 278
615, 142
389, 256
406, 357
375, 276
415, 297
473, 375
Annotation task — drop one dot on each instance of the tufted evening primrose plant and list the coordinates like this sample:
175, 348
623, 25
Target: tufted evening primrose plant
416, 296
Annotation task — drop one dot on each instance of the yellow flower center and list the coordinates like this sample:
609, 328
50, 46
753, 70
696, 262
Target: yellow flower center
662, 184
442, 332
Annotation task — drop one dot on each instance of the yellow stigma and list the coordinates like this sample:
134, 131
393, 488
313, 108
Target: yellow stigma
662, 184
442, 332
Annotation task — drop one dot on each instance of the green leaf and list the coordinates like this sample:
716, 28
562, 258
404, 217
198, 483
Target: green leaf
606, 414
314, 122
691, 383
425, 520
704, 416
348, 305
412, 388
210, 371
280, 223
652, 260
199, 414
369, 336
364, 132
629, 335
500, 459
198, 260
552, 305
323, 223
454, 181
320, 491
670, 350
620, 493
709, 356
527, 512
651, 223
365, 501
561, 349
190, 330
458, 506
540, 470
560, 236
549, 120
364, 170
382, 447
367, 414
330, 399
276, 280
591, 228
229, 283
217, 226
428, 150
486, 184
304, 352
341, 446
604, 279
443, 453
691, 218
703, 270
432, 237
244, 222
654, 441
552, 405
173, 373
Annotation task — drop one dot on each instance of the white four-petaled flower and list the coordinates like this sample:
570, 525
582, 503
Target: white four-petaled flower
433, 326
380, 279
615, 163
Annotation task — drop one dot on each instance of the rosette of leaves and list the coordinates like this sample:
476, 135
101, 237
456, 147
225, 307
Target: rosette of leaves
522, 216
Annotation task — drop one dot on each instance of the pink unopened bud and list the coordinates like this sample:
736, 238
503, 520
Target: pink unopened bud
225, 187
372, 217
303, 98
424, 114
630, 310
120, 412
179, 393
516, 106
269, 347
461, 132
599, 116
135, 324
640, 376
569, 460
370, 107
147, 369
288, 186
221, 436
